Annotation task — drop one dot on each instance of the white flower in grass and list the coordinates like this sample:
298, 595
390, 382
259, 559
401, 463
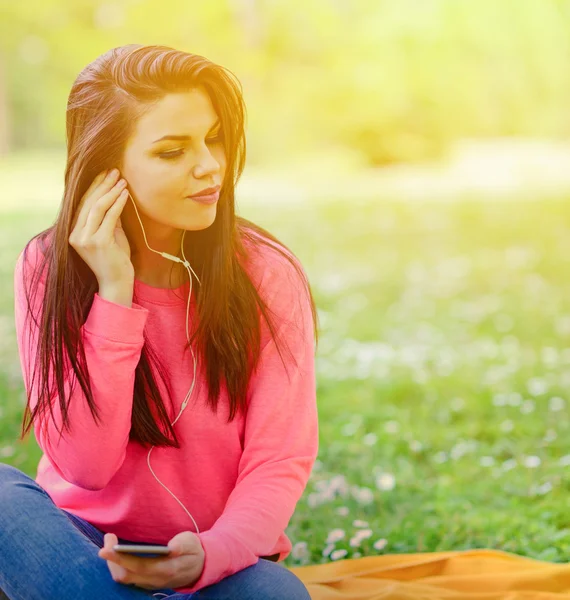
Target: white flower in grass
415, 446
527, 407
380, 544
300, 551
363, 534
349, 429
385, 482
565, 461
509, 464
328, 549
370, 439
362, 495
356, 555
7, 451
500, 399
543, 489
440, 457
359, 523
313, 500
550, 436
549, 356
339, 484
563, 325
537, 386
531, 462
457, 404
335, 535
514, 399
458, 451
355, 541
487, 461
321, 485
507, 426
556, 404
392, 427
340, 553
342, 511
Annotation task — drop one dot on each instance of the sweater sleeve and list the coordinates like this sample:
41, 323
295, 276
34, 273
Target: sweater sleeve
280, 439
113, 339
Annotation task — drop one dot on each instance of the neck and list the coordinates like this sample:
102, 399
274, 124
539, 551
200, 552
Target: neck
150, 267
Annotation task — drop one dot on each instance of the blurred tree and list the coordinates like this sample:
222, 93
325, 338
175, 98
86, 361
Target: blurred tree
391, 81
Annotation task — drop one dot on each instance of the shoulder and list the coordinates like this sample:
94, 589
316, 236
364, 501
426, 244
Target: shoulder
283, 286
31, 257
273, 268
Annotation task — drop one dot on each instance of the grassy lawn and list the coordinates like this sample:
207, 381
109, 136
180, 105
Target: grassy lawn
443, 374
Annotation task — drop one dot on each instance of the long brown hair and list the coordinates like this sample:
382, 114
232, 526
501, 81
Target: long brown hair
104, 103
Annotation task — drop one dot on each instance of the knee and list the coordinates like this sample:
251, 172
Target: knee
10, 475
281, 584
14, 483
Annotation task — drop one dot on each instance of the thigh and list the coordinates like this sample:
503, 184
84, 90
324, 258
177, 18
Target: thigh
42, 553
265, 580
94, 534
87, 529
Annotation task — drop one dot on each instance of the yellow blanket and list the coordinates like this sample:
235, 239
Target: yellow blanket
458, 575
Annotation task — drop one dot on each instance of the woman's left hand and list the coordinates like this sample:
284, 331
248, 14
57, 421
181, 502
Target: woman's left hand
181, 568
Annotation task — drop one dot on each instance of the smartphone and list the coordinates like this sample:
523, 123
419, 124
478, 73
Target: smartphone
137, 549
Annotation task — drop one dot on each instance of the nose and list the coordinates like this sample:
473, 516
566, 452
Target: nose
206, 165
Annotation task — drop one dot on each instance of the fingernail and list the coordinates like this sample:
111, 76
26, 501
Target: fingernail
114, 173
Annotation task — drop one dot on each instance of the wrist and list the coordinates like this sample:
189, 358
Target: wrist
119, 293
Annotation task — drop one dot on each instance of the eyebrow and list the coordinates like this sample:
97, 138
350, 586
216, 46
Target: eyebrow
182, 137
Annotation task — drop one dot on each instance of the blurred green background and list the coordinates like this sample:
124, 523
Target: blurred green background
416, 157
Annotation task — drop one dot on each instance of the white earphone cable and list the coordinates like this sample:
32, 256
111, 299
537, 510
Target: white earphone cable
186, 399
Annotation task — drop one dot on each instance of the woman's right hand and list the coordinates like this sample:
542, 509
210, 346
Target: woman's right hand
97, 234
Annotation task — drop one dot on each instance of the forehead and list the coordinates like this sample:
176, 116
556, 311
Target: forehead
184, 113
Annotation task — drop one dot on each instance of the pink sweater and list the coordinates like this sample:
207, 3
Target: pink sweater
240, 481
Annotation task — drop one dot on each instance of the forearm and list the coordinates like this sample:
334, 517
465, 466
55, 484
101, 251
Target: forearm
91, 452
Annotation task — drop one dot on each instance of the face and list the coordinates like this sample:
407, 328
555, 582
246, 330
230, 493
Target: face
162, 172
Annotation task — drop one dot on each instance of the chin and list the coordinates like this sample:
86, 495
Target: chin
197, 224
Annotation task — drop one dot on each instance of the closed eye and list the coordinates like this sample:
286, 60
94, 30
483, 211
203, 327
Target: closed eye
176, 153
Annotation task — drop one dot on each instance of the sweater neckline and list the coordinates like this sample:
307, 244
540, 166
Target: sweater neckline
165, 296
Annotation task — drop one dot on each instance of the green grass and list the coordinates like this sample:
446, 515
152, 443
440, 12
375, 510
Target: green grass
443, 371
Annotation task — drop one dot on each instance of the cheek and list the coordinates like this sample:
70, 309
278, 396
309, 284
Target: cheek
220, 157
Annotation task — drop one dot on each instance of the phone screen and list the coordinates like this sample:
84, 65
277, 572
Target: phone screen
139, 549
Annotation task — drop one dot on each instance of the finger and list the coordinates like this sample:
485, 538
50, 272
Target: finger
112, 218
97, 180
92, 195
107, 552
109, 540
142, 566
118, 571
151, 576
100, 208
184, 542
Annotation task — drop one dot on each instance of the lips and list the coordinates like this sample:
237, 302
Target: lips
206, 192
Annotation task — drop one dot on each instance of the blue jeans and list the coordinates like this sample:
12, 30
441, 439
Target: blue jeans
48, 553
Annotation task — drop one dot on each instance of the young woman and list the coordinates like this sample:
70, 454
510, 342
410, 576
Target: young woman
208, 451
